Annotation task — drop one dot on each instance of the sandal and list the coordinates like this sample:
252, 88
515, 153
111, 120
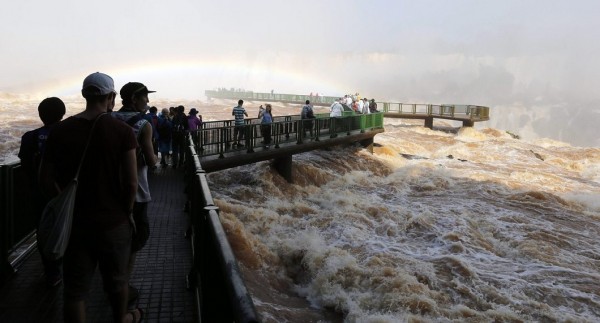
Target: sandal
137, 315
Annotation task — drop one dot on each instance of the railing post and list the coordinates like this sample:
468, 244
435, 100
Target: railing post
363, 121
249, 134
6, 269
222, 142
300, 131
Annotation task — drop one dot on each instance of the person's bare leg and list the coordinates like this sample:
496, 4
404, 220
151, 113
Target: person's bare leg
131, 263
74, 311
118, 302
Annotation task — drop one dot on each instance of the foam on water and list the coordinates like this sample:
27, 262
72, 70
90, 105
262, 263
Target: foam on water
383, 238
436, 226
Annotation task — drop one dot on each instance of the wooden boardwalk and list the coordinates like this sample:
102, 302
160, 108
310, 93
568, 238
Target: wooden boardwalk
160, 271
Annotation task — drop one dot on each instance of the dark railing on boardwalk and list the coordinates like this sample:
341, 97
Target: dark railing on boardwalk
16, 224
220, 292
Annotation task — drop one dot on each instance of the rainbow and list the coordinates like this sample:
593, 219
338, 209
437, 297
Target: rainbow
189, 79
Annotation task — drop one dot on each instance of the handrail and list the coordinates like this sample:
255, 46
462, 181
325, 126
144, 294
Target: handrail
257, 96
17, 222
472, 112
216, 137
221, 295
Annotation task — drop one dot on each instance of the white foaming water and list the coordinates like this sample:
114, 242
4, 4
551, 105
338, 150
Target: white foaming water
473, 226
434, 226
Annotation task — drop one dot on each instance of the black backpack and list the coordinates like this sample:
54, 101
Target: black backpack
180, 123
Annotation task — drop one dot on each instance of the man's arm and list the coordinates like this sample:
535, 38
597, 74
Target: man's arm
146, 143
130, 180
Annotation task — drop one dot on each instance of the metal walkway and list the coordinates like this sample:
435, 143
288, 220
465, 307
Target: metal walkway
160, 271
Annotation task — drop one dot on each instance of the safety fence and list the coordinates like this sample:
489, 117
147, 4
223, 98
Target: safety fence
473, 112
274, 97
17, 222
220, 292
218, 137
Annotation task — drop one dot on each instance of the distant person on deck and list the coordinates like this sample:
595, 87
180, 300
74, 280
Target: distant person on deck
33, 143
365, 107
373, 106
336, 109
180, 130
194, 123
134, 96
101, 231
265, 126
238, 132
164, 136
307, 115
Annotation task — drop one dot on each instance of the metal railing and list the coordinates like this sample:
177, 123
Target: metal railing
473, 112
217, 137
220, 292
249, 95
17, 219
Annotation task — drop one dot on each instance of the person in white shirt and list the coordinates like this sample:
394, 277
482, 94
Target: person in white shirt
336, 109
365, 109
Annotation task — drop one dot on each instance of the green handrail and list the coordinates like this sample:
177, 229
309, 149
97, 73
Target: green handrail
216, 137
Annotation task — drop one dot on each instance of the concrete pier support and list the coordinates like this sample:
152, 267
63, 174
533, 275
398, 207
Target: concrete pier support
468, 123
368, 143
283, 165
429, 122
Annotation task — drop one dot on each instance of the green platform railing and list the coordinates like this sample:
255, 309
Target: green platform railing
217, 137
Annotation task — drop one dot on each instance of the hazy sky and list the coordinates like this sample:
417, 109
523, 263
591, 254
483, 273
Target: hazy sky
494, 53
479, 51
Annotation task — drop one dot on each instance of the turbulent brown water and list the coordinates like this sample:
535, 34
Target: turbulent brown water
469, 225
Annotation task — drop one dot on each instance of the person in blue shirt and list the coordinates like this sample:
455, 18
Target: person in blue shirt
265, 125
33, 143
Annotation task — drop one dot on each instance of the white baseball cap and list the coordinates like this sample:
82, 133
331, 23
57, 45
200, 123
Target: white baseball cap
98, 84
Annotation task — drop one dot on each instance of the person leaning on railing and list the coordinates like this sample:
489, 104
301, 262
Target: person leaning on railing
307, 115
265, 125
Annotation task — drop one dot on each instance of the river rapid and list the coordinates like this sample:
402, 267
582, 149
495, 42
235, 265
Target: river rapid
443, 225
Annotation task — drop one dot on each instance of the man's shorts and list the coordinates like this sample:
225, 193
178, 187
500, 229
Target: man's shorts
109, 250
142, 226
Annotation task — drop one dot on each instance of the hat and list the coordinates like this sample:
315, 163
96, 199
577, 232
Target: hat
133, 88
193, 111
98, 84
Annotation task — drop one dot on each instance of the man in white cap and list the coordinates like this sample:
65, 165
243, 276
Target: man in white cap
101, 231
